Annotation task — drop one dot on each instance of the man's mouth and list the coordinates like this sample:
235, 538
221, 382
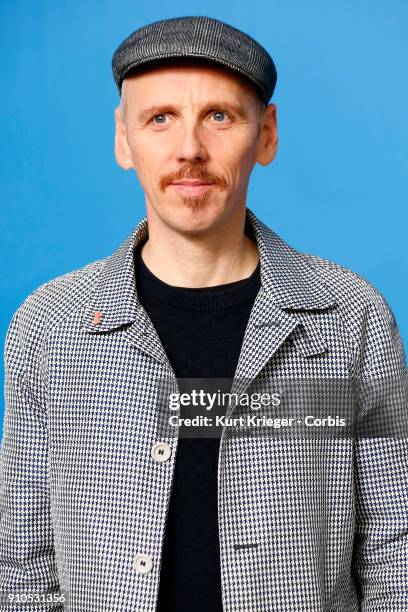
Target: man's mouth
192, 186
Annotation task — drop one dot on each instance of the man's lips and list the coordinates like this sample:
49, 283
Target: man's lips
192, 187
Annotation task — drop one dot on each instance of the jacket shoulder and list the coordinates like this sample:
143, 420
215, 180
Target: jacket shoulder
46, 306
364, 310
68, 292
348, 286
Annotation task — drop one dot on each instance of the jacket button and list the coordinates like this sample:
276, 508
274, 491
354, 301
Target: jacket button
143, 563
161, 452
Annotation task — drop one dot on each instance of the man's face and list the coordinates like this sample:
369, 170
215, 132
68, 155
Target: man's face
195, 124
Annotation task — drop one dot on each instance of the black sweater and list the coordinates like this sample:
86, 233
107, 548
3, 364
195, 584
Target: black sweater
201, 330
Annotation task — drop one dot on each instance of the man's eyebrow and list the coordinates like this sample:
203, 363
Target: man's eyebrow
156, 109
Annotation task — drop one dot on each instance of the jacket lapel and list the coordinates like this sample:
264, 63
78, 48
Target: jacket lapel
115, 297
290, 296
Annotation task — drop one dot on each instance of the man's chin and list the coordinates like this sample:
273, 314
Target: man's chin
196, 203
193, 214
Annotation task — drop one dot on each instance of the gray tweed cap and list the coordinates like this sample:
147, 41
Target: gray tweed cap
203, 38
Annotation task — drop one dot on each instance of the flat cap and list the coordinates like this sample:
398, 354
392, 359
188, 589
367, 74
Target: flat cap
196, 37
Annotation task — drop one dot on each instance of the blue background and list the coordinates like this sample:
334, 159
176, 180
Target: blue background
338, 187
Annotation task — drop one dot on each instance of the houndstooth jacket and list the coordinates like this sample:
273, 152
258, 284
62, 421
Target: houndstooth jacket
304, 525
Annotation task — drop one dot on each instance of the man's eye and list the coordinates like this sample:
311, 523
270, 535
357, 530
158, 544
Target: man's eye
160, 118
219, 115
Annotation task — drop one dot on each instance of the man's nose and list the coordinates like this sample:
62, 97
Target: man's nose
189, 144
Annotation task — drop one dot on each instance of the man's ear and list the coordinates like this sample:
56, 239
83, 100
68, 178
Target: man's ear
122, 150
268, 137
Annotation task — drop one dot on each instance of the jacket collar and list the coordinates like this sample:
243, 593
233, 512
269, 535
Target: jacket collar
288, 281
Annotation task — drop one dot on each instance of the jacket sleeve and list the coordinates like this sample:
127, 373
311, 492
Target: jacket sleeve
381, 467
27, 567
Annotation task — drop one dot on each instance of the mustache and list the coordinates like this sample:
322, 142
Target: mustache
192, 171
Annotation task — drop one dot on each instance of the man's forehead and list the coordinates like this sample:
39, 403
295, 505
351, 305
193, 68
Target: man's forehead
211, 78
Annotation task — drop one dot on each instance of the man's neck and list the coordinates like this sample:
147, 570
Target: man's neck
184, 263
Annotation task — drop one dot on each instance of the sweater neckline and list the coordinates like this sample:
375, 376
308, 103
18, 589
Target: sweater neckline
216, 297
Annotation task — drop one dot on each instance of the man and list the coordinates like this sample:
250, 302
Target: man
103, 503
